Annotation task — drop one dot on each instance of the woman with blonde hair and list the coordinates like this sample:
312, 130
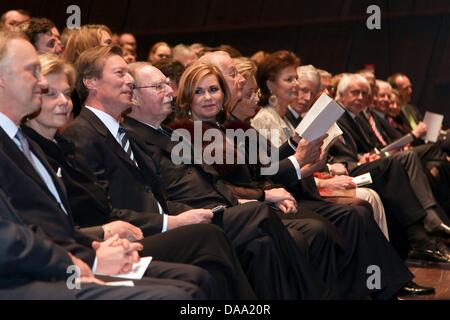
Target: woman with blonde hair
88, 36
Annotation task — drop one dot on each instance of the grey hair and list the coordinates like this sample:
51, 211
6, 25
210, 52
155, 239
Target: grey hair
310, 73
348, 80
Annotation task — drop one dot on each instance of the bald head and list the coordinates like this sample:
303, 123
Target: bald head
225, 64
152, 94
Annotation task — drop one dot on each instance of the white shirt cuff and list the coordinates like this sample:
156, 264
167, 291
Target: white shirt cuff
291, 144
296, 166
166, 218
94, 266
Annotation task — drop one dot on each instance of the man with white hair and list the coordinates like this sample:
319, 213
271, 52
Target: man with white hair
391, 179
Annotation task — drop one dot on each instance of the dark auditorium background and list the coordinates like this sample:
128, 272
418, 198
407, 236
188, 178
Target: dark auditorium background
331, 34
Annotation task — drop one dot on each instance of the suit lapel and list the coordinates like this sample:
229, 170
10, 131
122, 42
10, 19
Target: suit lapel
111, 141
292, 119
60, 188
13, 151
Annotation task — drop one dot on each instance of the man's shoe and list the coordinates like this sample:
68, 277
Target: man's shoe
413, 289
432, 252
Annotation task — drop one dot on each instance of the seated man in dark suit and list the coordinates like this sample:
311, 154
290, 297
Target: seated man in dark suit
409, 118
435, 161
129, 180
33, 267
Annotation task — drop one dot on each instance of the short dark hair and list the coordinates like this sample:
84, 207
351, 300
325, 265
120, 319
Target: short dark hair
35, 27
90, 65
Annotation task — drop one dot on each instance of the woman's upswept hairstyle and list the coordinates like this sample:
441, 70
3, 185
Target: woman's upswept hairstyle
270, 67
88, 36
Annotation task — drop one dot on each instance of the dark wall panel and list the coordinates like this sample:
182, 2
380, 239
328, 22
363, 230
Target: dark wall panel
331, 34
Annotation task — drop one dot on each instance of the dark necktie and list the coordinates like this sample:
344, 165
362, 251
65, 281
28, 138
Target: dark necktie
125, 142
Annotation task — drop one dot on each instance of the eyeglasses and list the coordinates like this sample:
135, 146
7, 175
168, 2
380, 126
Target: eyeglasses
163, 56
256, 95
233, 74
159, 87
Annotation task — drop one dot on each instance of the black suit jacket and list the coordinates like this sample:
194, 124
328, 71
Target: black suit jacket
34, 203
354, 141
128, 186
292, 119
24, 255
198, 186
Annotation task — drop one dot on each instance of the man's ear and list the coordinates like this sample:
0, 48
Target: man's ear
2, 79
90, 84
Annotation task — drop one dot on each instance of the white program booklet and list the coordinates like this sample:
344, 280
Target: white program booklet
120, 283
362, 180
399, 143
319, 119
333, 134
137, 271
434, 125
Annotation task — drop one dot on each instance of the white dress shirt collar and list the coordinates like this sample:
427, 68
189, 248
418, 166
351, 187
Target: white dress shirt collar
8, 126
294, 113
111, 123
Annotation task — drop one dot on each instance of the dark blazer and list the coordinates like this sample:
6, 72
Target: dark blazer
35, 204
354, 141
292, 119
128, 186
196, 185
24, 255
88, 201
